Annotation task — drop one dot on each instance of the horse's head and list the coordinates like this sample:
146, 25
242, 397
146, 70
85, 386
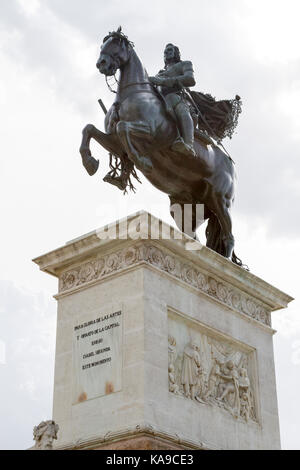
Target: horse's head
115, 52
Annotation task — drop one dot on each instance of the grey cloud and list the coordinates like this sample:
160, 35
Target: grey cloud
41, 46
262, 149
267, 160
210, 35
288, 382
27, 326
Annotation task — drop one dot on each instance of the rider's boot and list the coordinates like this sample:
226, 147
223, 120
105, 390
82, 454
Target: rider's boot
184, 144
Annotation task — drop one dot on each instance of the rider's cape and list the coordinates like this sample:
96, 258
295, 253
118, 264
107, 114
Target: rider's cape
218, 118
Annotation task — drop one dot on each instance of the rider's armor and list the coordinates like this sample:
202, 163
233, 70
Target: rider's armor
176, 77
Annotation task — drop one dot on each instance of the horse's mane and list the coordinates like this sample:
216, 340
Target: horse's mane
119, 35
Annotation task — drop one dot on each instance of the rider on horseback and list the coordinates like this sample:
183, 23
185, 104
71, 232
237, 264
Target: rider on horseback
172, 81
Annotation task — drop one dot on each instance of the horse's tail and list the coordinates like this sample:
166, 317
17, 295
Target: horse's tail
215, 242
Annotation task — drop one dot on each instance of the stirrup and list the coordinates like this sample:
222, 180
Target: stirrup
116, 181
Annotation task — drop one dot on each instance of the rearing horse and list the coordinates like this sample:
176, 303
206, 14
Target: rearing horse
144, 132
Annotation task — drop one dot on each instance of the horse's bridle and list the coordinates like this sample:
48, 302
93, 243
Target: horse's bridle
129, 84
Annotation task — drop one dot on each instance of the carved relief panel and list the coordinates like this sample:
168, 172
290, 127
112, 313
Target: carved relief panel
211, 369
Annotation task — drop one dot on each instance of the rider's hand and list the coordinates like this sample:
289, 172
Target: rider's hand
156, 81
170, 82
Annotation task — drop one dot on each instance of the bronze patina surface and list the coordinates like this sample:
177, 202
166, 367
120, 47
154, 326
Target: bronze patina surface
169, 133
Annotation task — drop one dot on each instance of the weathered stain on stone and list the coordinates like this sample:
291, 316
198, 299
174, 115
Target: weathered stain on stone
82, 397
109, 388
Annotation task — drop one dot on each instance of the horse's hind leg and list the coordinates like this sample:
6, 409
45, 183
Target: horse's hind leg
213, 230
221, 210
188, 217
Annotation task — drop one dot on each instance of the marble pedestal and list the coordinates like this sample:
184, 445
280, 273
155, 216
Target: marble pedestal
161, 344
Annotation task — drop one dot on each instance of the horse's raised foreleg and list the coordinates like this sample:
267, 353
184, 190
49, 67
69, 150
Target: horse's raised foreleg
90, 163
126, 132
108, 141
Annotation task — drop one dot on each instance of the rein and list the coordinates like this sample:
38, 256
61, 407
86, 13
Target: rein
127, 86
136, 91
133, 93
135, 83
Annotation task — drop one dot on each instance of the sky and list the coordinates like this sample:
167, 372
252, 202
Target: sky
49, 87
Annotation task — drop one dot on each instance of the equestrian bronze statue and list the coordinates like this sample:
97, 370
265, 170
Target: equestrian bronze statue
171, 134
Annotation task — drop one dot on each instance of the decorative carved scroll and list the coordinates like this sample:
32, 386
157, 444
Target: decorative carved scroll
171, 264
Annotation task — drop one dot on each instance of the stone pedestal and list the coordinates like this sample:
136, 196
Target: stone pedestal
161, 344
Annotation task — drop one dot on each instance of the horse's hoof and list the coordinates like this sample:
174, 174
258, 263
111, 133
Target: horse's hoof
145, 164
91, 165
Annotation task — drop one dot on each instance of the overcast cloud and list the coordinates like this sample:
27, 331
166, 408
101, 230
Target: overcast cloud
49, 88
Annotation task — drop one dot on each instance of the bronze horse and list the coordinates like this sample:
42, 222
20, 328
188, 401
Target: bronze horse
144, 133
